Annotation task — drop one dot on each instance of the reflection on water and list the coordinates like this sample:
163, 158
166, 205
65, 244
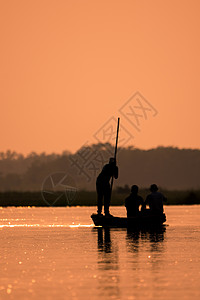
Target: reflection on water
154, 236
108, 264
109, 251
104, 243
48, 253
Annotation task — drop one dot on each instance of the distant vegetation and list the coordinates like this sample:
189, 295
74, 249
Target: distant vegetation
88, 198
170, 168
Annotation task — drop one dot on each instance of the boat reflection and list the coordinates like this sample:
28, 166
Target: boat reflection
107, 240
107, 263
107, 249
104, 241
113, 246
155, 237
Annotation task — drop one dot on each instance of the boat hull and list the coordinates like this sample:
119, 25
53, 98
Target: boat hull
146, 219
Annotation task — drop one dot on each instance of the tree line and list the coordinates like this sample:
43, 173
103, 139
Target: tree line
169, 167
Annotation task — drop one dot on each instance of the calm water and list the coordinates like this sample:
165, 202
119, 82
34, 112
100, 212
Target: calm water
56, 253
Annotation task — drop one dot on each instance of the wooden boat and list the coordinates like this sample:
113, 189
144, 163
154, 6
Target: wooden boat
143, 219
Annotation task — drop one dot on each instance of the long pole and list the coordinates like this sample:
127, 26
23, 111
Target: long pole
115, 155
117, 138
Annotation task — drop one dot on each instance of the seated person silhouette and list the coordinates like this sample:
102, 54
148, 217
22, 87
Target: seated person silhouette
103, 186
133, 202
155, 200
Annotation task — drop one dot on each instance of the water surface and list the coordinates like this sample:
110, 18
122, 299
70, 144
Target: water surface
49, 253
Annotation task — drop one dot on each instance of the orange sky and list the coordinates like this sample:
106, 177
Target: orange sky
66, 68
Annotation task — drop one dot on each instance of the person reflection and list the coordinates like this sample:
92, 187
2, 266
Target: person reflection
108, 253
108, 265
155, 236
132, 239
104, 245
136, 239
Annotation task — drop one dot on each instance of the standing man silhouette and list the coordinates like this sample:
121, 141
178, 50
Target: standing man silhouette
103, 186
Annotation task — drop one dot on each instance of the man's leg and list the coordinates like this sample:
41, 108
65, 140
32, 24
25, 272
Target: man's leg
107, 200
99, 200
